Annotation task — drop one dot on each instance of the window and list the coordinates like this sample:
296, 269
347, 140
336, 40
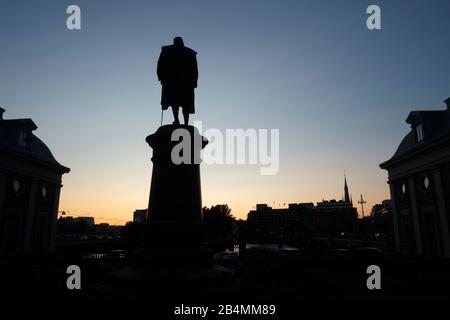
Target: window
419, 132
426, 183
44, 192
16, 186
23, 139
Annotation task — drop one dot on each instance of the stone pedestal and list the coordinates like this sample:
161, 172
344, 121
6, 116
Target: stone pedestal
174, 257
175, 192
175, 233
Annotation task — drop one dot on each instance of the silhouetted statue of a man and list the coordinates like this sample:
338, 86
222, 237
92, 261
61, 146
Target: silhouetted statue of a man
177, 71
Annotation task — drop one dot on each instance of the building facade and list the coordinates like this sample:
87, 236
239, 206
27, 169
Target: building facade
378, 224
419, 181
305, 220
30, 183
140, 216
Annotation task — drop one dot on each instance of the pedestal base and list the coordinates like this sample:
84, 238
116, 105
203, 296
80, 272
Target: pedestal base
167, 284
174, 260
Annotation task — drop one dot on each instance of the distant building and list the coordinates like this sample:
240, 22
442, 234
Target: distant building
90, 221
299, 220
270, 223
336, 217
30, 183
105, 229
334, 204
381, 208
380, 220
102, 228
140, 216
70, 229
419, 180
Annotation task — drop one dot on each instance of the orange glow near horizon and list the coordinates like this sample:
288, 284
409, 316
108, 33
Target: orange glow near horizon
113, 199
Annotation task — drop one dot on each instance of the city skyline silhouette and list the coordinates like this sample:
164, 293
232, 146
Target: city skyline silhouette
312, 164
336, 90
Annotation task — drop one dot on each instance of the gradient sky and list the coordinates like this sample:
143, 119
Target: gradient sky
338, 92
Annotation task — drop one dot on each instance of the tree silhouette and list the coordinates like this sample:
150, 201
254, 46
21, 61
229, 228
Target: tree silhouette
132, 233
221, 224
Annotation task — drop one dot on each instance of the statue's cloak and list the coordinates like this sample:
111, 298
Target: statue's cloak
178, 73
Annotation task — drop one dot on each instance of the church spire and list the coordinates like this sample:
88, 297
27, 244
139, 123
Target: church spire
346, 193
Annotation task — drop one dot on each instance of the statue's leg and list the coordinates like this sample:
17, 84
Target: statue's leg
175, 114
186, 116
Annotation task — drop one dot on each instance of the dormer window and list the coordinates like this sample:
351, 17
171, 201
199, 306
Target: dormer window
419, 133
23, 139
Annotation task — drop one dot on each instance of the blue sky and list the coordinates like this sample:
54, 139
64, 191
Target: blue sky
338, 92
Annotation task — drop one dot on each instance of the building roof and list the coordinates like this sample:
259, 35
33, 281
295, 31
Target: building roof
16, 136
435, 126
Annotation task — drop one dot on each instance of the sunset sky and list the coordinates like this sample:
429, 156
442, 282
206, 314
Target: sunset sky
338, 92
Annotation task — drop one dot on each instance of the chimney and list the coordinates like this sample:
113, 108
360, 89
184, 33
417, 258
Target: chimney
1, 113
447, 102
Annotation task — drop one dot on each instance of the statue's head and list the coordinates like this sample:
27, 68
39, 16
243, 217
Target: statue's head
178, 41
